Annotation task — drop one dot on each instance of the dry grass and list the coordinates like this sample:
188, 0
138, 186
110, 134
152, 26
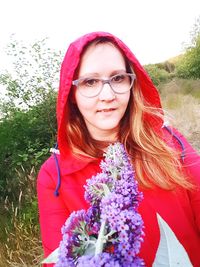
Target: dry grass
21, 245
23, 248
181, 86
183, 109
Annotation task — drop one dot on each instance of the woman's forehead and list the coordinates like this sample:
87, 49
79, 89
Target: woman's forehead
95, 47
101, 56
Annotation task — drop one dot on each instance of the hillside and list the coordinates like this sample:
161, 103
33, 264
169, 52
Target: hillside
181, 101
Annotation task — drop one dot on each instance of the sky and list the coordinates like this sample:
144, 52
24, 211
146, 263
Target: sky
155, 30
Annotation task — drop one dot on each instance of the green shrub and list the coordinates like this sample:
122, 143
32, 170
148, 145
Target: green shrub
156, 74
27, 131
189, 65
25, 139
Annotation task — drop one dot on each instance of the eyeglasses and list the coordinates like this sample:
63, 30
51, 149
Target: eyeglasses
92, 86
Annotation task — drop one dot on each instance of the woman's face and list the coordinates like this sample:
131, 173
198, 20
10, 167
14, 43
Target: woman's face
102, 113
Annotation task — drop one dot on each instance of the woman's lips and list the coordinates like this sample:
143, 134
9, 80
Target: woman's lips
106, 110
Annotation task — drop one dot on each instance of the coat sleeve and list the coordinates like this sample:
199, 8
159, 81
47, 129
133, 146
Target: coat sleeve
52, 211
192, 167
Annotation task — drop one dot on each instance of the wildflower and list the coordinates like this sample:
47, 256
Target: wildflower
110, 232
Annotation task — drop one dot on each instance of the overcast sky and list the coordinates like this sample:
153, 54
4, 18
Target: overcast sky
154, 29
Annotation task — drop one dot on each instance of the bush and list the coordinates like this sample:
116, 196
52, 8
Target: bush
157, 75
189, 65
27, 131
25, 139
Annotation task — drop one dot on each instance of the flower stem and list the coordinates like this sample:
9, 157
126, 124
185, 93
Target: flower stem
101, 238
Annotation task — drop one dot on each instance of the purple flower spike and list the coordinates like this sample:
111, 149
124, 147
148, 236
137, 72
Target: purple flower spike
110, 232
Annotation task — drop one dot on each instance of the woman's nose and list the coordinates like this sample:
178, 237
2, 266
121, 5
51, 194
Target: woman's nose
107, 94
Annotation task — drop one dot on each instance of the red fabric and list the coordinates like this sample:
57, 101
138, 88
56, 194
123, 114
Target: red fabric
180, 208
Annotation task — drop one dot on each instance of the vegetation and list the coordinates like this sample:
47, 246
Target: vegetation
28, 130
189, 66
159, 73
181, 102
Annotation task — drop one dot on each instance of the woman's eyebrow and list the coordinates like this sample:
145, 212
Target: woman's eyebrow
118, 71
91, 74
96, 74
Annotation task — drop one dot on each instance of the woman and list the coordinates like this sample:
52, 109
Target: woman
105, 96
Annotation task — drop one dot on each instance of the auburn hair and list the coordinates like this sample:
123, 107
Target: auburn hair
155, 162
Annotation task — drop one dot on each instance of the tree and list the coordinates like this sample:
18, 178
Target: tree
189, 65
33, 77
28, 121
27, 131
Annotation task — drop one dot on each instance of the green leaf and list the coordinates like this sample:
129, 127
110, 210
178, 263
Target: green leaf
52, 258
90, 250
106, 189
170, 252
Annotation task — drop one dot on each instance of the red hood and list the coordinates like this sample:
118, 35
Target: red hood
69, 65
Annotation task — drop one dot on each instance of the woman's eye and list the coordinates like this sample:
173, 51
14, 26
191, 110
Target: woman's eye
90, 82
118, 78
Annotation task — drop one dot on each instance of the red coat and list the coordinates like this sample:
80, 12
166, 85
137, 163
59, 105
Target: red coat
179, 208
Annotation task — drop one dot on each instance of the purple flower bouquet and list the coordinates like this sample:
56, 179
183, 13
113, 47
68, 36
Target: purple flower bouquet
110, 232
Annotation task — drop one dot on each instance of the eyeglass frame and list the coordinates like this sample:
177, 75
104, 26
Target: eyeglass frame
104, 81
